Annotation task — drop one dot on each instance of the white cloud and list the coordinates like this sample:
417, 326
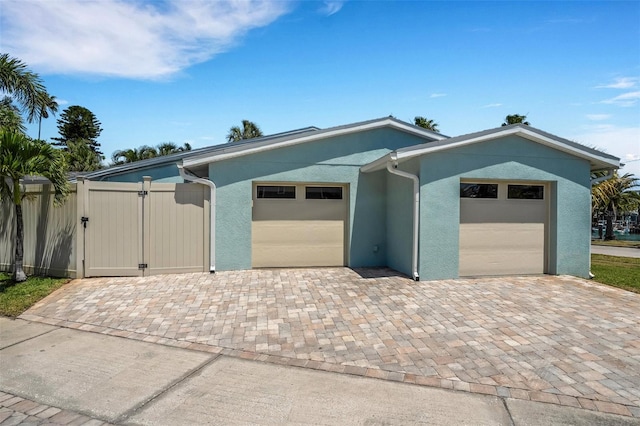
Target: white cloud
598, 117
437, 95
620, 83
150, 40
625, 100
621, 142
492, 105
331, 7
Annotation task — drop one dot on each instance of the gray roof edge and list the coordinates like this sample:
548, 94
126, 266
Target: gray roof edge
592, 152
178, 156
289, 139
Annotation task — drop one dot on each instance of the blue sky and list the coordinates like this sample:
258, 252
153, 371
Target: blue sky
187, 71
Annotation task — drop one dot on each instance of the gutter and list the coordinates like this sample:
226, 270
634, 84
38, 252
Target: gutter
608, 176
212, 213
603, 178
392, 167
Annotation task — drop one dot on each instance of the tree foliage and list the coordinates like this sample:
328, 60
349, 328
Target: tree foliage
249, 130
145, 152
24, 86
81, 158
10, 118
426, 123
515, 119
20, 157
614, 196
51, 106
77, 123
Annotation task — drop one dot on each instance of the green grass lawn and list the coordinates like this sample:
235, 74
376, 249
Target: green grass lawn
622, 272
17, 298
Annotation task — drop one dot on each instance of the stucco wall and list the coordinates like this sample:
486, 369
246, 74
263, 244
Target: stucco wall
332, 160
399, 223
511, 158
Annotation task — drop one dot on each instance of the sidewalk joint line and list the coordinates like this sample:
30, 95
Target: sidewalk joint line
138, 407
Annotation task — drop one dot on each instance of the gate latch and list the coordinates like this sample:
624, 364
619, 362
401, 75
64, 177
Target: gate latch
142, 193
142, 266
84, 221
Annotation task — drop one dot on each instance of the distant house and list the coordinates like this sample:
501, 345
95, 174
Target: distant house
504, 201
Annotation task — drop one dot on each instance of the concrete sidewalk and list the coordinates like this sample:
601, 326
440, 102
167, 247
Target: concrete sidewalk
52, 375
615, 251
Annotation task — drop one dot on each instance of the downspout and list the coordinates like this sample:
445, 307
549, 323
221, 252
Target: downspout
608, 176
212, 213
392, 167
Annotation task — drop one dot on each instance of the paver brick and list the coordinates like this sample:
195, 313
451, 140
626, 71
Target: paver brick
554, 339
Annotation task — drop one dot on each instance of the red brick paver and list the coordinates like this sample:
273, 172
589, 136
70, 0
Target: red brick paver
18, 411
562, 340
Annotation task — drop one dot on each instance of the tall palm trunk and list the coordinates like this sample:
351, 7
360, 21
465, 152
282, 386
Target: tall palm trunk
18, 273
611, 217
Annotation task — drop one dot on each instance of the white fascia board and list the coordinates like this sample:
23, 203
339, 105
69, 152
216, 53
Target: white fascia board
376, 165
234, 152
602, 162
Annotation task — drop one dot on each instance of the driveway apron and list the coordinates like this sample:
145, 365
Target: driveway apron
560, 340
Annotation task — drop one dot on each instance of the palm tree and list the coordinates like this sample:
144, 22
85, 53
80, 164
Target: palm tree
515, 119
133, 154
249, 130
10, 118
167, 148
613, 196
145, 152
426, 124
20, 157
51, 107
24, 86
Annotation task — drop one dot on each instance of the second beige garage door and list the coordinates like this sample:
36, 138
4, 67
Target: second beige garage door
298, 225
502, 228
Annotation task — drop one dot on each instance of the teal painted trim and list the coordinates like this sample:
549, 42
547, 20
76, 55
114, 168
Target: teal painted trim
509, 159
333, 160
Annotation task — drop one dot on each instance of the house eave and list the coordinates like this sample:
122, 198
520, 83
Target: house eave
597, 159
238, 151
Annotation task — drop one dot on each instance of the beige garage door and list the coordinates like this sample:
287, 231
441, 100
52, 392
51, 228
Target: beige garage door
296, 225
502, 228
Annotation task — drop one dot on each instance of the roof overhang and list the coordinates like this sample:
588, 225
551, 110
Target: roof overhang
598, 160
233, 151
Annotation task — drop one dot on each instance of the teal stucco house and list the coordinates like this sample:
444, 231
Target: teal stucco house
506, 201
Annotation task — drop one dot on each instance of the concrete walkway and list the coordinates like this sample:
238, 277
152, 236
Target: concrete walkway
616, 251
560, 340
53, 375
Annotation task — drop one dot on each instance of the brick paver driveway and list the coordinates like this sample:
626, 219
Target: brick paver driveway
555, 339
